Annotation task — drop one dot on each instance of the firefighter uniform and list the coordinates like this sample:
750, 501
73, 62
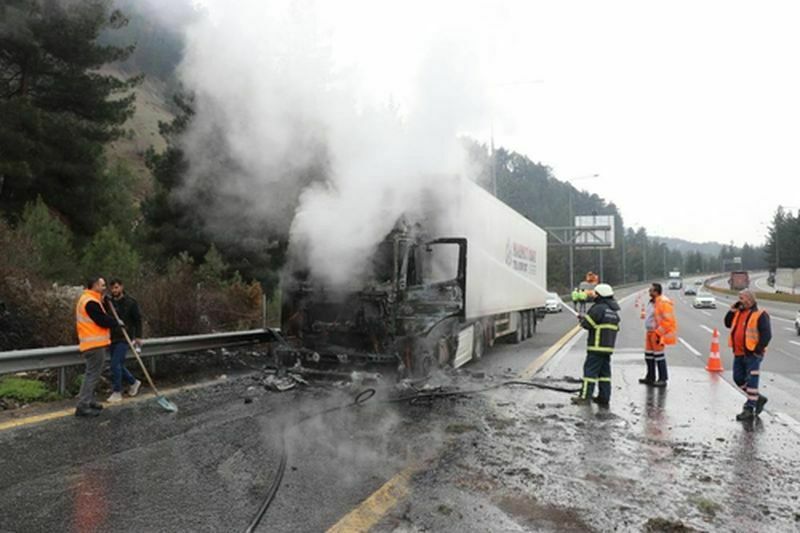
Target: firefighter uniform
602, 323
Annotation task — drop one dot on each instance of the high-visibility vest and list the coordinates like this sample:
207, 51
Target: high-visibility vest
751, 335
666, 325
90, 335
576, 296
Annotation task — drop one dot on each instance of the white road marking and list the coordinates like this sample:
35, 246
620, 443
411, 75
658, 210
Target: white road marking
689, 347
784, 352
781, 319
795, 343
789, 329
706, 313
708, 329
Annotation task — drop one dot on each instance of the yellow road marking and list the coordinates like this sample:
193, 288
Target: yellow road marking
373, 509
53, 415
543, 359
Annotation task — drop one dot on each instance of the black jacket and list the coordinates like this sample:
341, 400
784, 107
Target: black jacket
764, 329
128, 311
602, 322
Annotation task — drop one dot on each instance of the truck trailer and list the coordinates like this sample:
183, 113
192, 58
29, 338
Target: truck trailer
674, 280
443, 286
739, 280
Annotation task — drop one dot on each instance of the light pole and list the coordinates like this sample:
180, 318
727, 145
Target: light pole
572, 231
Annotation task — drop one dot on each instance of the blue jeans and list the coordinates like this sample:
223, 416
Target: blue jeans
746, 370
118, 371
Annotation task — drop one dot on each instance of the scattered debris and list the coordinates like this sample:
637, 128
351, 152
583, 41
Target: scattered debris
277, 384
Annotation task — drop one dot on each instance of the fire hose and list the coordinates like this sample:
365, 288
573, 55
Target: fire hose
361, 398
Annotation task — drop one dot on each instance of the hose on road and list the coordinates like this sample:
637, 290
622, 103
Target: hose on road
362, 397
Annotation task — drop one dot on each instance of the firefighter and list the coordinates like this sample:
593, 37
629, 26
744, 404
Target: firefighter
602, 322
751, 332
661, 331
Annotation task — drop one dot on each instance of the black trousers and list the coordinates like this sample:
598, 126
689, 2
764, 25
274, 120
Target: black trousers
597, 370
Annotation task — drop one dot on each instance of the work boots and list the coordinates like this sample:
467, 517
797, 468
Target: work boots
84, 411
760, 404
746, 415
580, 400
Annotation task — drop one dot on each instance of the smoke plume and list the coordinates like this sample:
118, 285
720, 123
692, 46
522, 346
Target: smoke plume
291, 135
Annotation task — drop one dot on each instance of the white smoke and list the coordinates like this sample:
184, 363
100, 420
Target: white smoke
288, 136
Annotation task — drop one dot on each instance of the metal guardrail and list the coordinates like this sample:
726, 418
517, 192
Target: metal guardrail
61, 357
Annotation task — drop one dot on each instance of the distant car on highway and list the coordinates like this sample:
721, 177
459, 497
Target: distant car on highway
698, 282
553, 303
797, 322
690, 291
704, 299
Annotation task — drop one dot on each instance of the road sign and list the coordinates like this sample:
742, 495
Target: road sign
594, 232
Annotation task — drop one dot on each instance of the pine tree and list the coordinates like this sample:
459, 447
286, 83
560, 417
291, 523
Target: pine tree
58, 108
51, 242
108, 254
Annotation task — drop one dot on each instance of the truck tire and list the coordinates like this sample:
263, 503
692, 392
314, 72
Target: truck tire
442, 352
478, 341
534, 321
528, 323
519, 333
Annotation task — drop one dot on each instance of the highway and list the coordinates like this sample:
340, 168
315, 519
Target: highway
781, 368
478, 462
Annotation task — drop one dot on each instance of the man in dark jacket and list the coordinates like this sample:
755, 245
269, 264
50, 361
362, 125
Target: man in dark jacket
751, 332
128, 311
602, 322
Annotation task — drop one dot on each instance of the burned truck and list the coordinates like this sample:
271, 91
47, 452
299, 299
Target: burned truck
442, 288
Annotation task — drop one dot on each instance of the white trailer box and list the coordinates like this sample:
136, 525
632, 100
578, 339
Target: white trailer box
787, 280
506, 253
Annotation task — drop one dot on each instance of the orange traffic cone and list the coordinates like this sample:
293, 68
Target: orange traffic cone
714, 362
641, 315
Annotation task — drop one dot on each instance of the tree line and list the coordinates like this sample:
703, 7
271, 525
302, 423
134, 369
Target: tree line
782, 249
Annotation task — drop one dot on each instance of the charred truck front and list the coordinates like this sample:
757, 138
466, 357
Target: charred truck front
430, 298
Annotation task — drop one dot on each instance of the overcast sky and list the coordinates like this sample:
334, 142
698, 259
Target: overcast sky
689, 111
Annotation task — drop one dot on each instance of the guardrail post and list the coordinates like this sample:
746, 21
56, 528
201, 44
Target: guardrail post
62, 381
264, 311
151, 364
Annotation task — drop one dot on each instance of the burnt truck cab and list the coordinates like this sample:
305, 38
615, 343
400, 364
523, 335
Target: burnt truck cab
406, 311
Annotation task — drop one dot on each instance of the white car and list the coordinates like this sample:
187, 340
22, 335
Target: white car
553, 303
704, 299
797, 322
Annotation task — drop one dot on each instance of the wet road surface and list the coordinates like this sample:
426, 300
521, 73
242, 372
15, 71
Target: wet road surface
511, 459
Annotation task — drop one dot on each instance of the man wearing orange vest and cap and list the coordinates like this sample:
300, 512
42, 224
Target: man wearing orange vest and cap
662, 331
94, 338
751, 332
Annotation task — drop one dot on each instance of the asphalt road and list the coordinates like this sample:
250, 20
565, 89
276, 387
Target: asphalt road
781, 368
208, 467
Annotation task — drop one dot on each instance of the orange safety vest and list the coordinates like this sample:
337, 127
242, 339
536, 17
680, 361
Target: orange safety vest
90, 335
666, 326
751, 335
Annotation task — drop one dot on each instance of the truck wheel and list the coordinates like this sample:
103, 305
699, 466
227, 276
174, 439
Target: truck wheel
519, 333
443, 352
478, 342
424, 364
527, 319
534, 322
